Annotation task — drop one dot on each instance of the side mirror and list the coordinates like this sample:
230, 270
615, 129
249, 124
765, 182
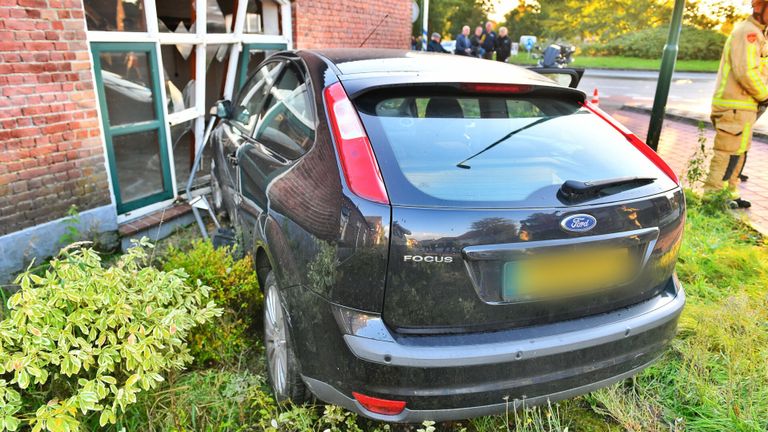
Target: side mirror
223, 109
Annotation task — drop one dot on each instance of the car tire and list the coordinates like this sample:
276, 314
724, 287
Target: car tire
283, 368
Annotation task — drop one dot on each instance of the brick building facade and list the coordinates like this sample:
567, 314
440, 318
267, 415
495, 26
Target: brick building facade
71, 69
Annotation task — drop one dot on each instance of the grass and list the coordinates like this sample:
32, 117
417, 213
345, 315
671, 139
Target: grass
714, 377
628, 63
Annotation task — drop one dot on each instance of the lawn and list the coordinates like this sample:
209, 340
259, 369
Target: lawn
714, 377
628, 63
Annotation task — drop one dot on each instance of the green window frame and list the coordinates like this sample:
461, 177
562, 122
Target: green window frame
158, 124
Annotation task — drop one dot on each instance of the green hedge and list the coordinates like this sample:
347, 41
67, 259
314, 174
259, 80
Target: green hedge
695, 44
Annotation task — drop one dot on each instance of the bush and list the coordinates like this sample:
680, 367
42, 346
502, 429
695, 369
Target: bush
695, 44
234, 287
82, 338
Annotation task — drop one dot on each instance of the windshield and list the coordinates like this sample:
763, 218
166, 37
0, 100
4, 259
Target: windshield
490, 149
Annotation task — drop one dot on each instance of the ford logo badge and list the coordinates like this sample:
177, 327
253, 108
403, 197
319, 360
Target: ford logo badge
579, 223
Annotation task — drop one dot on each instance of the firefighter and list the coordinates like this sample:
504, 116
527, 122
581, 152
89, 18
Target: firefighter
740, 93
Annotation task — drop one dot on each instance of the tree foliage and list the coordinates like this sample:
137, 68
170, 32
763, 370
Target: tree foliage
604, 20
447, 17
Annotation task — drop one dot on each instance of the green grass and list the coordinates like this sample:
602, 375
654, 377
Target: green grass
713, 378
628, 63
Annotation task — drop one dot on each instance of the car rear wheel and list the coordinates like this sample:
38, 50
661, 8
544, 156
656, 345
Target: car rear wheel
284, 372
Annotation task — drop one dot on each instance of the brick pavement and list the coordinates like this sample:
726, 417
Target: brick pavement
678, 143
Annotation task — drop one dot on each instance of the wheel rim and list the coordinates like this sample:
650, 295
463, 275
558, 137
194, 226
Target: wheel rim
276, 342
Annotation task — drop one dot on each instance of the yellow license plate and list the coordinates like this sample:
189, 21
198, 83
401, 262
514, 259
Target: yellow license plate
566, 274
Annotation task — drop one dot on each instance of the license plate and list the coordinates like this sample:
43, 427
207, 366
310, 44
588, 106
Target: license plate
566, 274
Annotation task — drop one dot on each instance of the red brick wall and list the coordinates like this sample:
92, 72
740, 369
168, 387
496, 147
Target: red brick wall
50, 149
346, 23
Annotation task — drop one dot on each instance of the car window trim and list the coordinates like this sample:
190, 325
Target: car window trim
311, 106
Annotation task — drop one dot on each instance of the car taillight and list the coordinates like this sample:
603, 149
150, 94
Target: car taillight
357, 159
635, 141
379, 406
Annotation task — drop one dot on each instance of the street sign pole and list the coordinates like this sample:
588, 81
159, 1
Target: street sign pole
424, 16
668, 60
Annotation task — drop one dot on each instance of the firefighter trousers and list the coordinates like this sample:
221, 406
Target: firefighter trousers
733, 138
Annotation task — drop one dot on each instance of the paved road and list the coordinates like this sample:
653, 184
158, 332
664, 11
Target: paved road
689, 91
690, 94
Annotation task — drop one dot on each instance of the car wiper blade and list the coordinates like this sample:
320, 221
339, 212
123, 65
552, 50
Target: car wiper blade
463, 164
574, 188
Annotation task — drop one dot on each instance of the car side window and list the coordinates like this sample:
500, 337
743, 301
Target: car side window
254, 95
287, 121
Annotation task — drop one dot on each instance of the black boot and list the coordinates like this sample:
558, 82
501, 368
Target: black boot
739, 203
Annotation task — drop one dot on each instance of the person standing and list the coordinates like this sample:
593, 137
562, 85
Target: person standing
488, 41
476, 41
503, 45
740, 90
463, 44
434, 44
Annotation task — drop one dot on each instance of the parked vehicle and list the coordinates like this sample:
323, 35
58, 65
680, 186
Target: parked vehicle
557, 56
449, 45
441, 237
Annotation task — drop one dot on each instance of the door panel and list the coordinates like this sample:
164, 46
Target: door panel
132, 115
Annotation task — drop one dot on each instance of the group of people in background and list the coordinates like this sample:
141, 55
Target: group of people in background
484, 43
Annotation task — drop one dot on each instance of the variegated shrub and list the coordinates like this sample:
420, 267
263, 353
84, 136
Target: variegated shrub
83, 338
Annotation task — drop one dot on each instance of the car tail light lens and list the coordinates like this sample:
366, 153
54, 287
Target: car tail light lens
635, 141
496, 88
357, 159
379, 406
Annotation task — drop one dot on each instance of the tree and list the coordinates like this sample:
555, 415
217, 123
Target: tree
447, 17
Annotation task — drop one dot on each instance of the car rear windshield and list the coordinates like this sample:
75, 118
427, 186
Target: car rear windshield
487, 150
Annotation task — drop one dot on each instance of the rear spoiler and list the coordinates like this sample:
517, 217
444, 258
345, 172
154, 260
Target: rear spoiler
564, 76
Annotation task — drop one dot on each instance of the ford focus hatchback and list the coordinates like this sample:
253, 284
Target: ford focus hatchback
440, 237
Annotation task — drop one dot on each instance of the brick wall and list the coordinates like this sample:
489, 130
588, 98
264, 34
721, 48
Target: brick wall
346, 23
50, 149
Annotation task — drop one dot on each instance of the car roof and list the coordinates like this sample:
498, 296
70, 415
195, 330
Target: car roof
400, 66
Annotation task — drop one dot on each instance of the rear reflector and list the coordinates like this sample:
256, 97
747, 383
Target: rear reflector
635, 141
496, 88
379, 406
357, 159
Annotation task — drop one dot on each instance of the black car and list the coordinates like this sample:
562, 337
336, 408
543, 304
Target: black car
440, 237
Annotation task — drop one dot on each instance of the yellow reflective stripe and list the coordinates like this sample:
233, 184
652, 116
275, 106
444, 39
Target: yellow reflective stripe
736, 104
746, 136
726, 68
752, 72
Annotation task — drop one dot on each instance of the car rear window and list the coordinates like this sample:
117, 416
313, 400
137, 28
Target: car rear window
492, 149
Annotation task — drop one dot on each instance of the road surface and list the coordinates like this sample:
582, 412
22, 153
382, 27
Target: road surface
689, 91
690, 94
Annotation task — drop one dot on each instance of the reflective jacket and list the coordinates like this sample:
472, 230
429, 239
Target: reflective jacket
741, 80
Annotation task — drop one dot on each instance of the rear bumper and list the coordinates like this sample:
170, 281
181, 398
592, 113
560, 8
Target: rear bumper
447, 377
329, 394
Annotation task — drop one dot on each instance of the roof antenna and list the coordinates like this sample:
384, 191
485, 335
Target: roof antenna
374, 30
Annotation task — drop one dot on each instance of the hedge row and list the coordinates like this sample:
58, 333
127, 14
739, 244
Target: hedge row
695, 44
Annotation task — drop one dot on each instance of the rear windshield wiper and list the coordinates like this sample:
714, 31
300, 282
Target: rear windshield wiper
579, 190
463, 164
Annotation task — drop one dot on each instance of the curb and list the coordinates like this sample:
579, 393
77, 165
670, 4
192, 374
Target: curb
688, 119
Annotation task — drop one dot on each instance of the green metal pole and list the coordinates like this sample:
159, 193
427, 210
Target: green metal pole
668, 60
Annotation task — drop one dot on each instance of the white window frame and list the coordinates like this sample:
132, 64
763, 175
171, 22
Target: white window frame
200, 40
